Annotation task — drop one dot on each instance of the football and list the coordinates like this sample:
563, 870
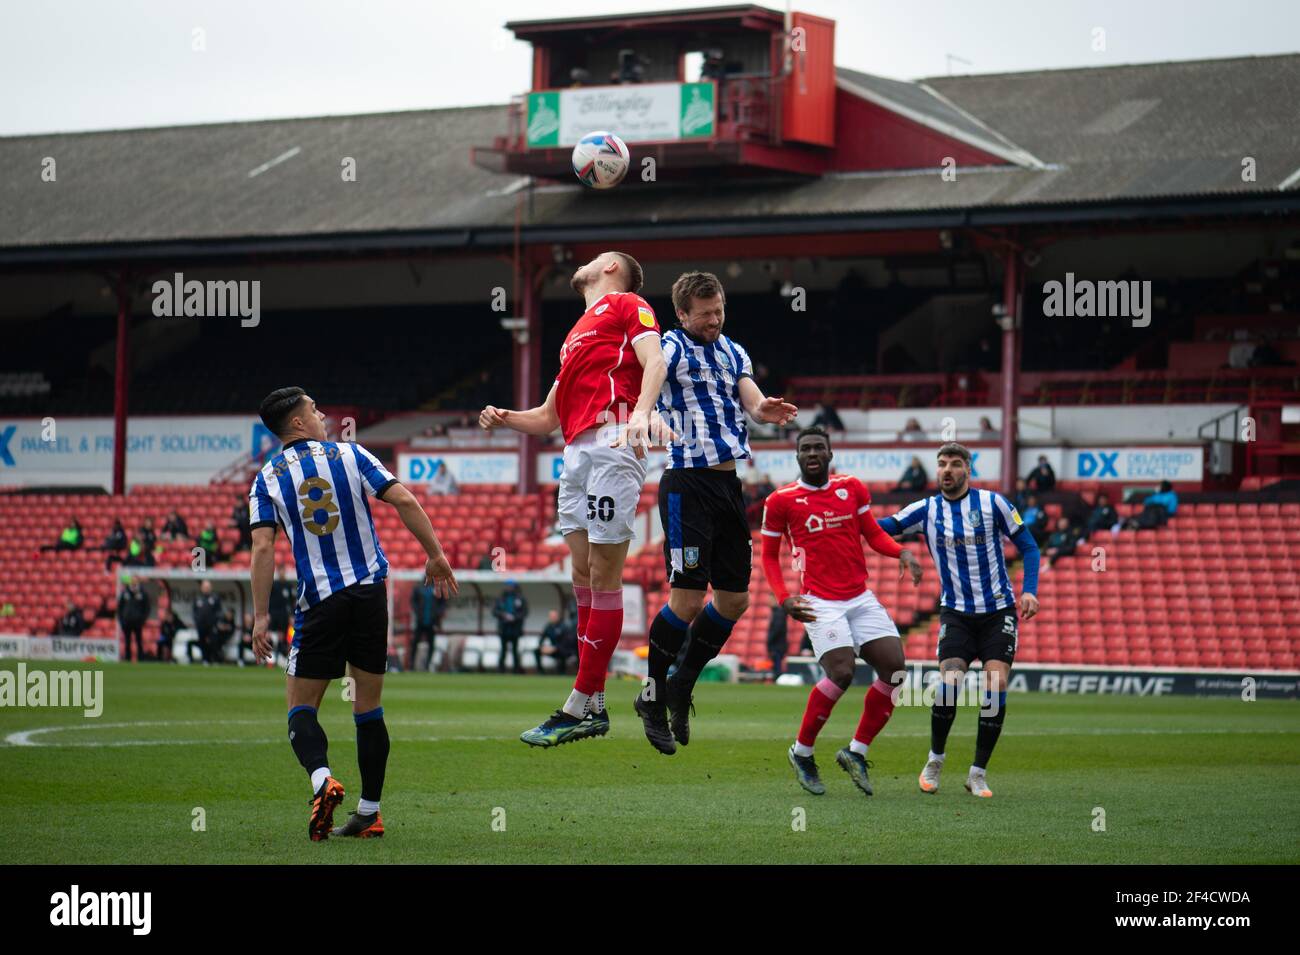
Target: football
600, 160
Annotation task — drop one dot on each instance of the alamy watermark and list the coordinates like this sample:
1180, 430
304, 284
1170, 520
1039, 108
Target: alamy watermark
1085, 298
177, 298
78, 689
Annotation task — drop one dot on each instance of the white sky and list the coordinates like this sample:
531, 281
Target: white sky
102, 64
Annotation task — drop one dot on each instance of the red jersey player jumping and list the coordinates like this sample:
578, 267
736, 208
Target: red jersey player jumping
611, 371
825, 518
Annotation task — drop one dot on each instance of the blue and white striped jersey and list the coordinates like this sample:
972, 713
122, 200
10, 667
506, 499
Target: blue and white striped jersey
701, 400
965, 540
316, 491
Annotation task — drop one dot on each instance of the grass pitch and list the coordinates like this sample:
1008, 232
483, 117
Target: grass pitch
1180, 780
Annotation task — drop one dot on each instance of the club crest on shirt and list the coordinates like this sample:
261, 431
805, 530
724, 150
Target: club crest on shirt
842, 493
600, 308
973, 518
692, 555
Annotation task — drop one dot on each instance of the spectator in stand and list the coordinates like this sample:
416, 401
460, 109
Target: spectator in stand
206, 612
1156, 509
72, 623
211, 545
1021, 497
167, 630
239, 521
1061, 542
914, 478
778, 638
70, 538
559, 643
7, 609
245, 635
140, 552
115, 542
132, 612
175, 528
442, 482
987, 431
827, 417
427, 609
912, 431
486, 562
756, 487
148, 542
1041, 478
510, 610
1103, 516
1035, 519
221, 634
284, 597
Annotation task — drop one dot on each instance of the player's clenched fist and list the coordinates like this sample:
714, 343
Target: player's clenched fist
799, 608
491, 417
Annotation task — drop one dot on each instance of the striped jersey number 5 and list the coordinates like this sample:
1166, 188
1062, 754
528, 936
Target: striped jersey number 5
1009, 627
320, 515
600, 508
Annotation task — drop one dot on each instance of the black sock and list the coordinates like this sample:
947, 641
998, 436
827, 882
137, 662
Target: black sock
667, 634
942, 714
992, 714
308, 738
372, 752
709, 631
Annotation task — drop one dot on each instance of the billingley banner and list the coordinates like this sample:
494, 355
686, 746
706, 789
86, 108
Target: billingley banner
638, 113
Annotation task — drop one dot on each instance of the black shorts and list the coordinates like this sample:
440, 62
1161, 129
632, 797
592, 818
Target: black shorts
350, 626
983, 636
706, 535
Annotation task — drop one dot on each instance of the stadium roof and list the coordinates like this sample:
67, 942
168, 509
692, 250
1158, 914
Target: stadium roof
1155, 139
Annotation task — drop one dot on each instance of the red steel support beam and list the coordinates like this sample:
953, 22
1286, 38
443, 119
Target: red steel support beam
1012, 283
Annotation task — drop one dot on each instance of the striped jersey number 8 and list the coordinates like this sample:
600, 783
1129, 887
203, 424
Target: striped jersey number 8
320, 514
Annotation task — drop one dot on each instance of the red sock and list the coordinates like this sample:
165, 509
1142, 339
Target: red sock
820, 703
583, 596
876, 710
604, 627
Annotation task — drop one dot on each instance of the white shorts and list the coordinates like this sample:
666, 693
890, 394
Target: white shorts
600, 487
847, 623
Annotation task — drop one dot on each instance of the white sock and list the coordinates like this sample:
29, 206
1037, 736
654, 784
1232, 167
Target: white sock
801, 750
597, 701
577, 704
367, 808
318, 777
976, 771
936, 757
858, 747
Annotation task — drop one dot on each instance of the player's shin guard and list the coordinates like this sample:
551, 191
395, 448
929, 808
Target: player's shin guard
821, 701
604, 628
709, 631
992, 712
877, 708
667, 634
372, 752
942, 714
582, 595
308, 741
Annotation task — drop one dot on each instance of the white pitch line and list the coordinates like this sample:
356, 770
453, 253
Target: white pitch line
274, 162
28, 737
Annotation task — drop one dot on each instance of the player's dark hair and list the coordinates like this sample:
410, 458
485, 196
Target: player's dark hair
635, 277
278, 406
953, 449
815, 431
693, 285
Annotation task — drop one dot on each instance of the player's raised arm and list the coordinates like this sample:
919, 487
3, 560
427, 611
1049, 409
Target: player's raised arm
437, 569
763, 409
541, 420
